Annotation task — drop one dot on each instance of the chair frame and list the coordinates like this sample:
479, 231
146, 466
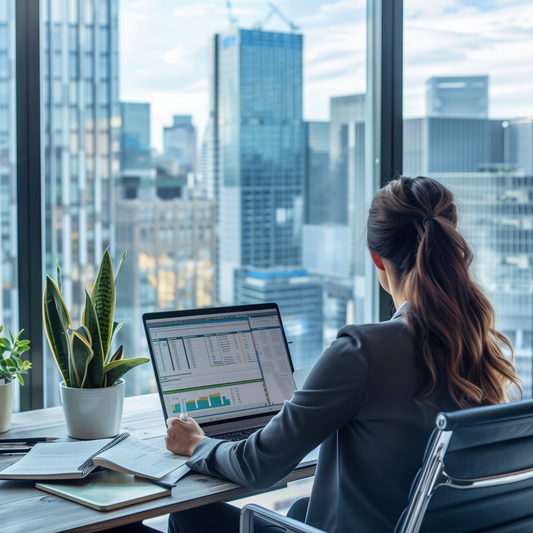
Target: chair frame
432, 477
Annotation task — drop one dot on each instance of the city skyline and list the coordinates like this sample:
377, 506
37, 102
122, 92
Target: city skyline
168, 66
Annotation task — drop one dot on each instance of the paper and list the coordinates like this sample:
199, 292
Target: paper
55, 458
141, 458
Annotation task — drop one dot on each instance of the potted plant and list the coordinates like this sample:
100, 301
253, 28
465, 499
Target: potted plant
92, 391
11, 367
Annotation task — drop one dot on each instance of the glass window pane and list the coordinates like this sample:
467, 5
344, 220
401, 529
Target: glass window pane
8, 177
468, 105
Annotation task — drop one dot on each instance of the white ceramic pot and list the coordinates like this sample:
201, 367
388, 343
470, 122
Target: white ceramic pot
6, 405
93, 413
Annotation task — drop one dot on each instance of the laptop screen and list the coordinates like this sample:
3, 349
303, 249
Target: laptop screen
225, 365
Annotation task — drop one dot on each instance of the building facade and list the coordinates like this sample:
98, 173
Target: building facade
135, 151
81, 143
317, 182
8, 171
170, 265
179, 144
260, 139
299, 297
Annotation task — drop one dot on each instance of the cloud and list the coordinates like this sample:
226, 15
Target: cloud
194, 10
177, 56
327, 11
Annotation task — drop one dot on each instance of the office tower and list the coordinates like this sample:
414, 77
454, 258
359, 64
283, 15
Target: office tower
179, 144
299, 297
347, 118
170, 264
81, 139
458, 96
518, 143
446, 144
260, 139
317, 182
8, 172
209, 169
135, 151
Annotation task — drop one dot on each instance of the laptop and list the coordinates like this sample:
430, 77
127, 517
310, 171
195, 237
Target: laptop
231, 365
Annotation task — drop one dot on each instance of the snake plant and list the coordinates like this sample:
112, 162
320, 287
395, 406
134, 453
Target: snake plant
83, 355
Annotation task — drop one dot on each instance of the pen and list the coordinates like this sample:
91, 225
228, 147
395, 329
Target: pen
29, 440
5, 451
183, 415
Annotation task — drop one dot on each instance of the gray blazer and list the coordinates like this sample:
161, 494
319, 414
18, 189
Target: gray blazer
358, 402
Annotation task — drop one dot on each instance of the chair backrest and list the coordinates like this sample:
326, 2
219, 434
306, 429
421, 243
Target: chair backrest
477, 473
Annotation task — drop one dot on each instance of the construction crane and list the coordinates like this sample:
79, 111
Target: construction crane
231, 18
275, 10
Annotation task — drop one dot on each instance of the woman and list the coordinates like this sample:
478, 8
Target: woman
372, 398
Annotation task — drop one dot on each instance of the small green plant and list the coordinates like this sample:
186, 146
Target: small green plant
11, 365
83, 355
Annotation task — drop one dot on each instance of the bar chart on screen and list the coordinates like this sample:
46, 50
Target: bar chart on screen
207, 400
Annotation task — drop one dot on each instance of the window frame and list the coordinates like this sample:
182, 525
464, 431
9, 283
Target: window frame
383, 156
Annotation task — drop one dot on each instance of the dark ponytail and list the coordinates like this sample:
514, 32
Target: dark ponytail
413, 224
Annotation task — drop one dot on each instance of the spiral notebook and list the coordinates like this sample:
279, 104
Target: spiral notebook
74, 460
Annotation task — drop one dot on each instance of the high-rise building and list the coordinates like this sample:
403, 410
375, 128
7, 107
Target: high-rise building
518, 143
8, 169
299, 297
135, 151
179, 143
260, 138
81, 142
347, 119
458, 96
170, 264
317, 182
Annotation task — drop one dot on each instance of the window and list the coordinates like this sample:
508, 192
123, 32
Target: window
468, 124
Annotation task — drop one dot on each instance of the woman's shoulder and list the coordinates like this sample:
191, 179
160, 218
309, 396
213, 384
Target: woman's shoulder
364, 333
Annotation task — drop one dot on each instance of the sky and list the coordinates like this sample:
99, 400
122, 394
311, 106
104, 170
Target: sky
164, 51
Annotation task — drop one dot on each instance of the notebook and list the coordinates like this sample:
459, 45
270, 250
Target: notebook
232, 365
75, 460
107, 490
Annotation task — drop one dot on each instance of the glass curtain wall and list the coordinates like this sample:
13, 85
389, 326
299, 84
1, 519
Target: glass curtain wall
8, 177
468, 108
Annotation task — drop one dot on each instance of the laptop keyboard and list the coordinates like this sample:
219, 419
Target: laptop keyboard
235, 435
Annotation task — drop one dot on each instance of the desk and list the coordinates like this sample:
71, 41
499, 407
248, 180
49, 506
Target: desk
25, 509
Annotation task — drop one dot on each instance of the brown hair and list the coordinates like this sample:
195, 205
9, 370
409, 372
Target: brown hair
413, 224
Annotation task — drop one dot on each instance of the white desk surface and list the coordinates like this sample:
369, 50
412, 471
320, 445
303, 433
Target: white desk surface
25, 509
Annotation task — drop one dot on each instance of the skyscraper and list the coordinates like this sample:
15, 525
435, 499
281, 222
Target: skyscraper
260, 138
81, 139
8, 176
134, 138
317, 182
179, 143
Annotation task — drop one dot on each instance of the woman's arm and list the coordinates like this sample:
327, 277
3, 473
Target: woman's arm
331, 397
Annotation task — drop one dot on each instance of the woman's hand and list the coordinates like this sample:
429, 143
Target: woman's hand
182, 437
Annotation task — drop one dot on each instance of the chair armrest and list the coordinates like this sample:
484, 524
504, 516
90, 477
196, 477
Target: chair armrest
291, 525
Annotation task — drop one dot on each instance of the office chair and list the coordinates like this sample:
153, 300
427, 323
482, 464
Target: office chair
477, 477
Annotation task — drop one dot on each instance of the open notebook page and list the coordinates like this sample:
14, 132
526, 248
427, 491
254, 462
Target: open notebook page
134, 456
50, 459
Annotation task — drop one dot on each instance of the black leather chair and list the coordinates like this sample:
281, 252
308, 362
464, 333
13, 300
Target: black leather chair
477, 476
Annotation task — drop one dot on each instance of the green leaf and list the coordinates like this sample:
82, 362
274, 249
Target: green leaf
119, 354
117, 369
21, 379
56, 324
96, 368
11, 337
59, 279
120, 264
116, 328
103, 297
81, 354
